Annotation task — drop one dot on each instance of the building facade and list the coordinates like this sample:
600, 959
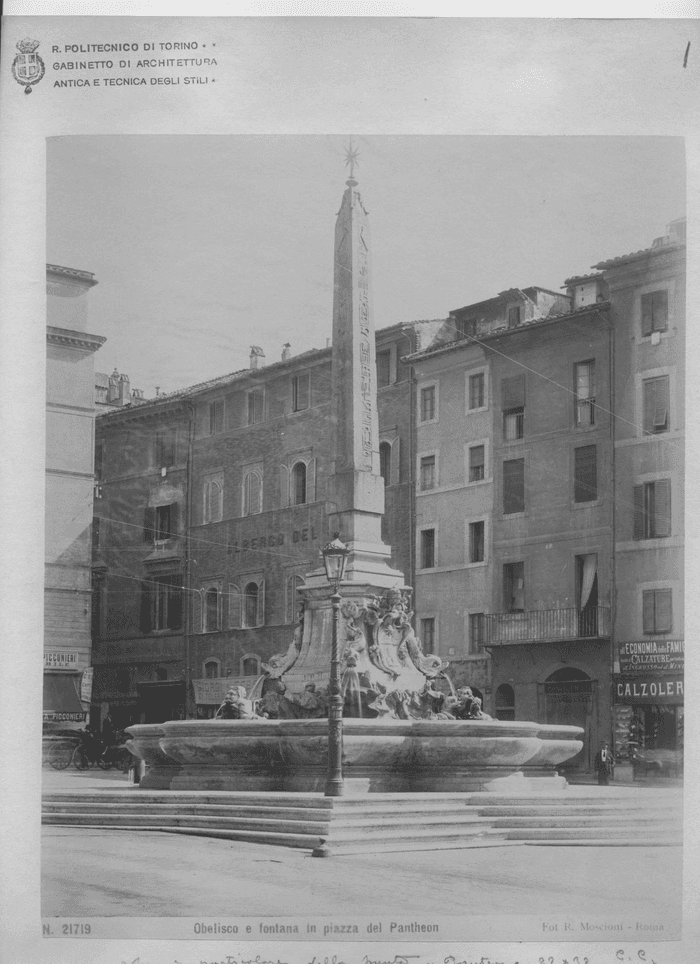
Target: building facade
70, 349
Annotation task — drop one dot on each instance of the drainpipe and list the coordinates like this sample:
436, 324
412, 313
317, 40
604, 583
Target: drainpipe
189, 711
613, 520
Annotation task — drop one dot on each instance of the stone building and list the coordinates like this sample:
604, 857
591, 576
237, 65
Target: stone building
213, 503
69, 491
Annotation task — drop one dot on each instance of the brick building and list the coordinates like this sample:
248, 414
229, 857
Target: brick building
213, 505
69, 489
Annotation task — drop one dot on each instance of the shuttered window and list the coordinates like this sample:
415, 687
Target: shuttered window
656, 611
216, 416
427, 472
652, 510
383, 369
427, 548
476, 541
654, 312
656, 403
476, 391
427, 404
256, 400
514, 587
254, 604
514, 316
300, 392
513, 392
299, 484
252, 492
585, 474
513, 486
477, 463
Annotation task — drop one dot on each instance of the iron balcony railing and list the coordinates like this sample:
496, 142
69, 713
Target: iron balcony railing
545, 624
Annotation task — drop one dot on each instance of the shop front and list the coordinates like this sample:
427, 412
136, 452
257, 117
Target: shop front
64, 690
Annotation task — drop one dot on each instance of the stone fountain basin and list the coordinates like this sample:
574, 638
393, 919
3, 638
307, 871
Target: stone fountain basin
379, 755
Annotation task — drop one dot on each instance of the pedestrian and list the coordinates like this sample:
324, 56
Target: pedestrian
604, 763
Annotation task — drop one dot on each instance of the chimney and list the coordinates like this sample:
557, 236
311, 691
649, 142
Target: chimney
113, 389
124, 390
255, 354
286, 351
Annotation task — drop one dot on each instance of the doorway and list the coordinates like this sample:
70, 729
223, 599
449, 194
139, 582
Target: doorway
570, 698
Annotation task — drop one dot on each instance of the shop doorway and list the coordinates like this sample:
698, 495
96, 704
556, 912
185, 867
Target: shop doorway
161, 701
569, 697
660, 724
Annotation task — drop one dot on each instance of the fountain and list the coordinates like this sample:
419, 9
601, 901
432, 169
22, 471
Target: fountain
404, 727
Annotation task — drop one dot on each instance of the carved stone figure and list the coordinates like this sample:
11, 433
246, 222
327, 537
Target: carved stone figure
281, 662
236, 706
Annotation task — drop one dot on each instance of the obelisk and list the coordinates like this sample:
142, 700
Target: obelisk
356, 490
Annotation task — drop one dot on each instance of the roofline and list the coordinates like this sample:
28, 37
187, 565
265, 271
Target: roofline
501, 296
638, 255
500, 332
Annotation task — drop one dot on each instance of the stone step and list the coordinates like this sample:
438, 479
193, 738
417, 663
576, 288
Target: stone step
567, 799
155, 809
590, 808
671, 841
574, 833
593, 820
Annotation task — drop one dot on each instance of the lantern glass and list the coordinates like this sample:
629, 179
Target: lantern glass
334, 557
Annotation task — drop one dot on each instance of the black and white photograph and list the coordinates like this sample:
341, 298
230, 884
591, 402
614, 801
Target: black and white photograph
361, 569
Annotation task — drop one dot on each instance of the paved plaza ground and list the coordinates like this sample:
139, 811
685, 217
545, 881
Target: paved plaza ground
105, 873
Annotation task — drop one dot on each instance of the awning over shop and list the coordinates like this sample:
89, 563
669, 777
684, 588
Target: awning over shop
62, 699
649, 689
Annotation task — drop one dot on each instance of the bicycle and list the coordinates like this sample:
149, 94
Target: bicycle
61, 754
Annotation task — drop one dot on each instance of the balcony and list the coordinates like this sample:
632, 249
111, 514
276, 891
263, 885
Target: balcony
544, 625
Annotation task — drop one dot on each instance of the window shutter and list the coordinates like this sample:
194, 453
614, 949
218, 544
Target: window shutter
660, 310
145, 614
234, 606
174, 519
255, 493
174, 616
311, 481
196, 612
648, 611
647, 315
284, 486
513, 486
302, 398
661, 403
260, 621
395, 473
638, 532
649, 404
513, 392
246, 493
662, 508
585, 474
148, 524
219, 416
258, 402
662, 607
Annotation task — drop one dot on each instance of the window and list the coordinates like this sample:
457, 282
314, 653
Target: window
383, 369
96, 533
293, 600
211, 610
427, 472
477, 629
513, 486
477, 463
427, 634
584, 388
655, 405
300, 393
476, 541
585, 474
162, 603
211, 669
652, 510
255, 406
654, 312
213, 500
385, 462
100, 448
165, 522
427, 549
250, 665
252, 492
505, 702
476, 391
166, 446
656, 611
254, 604
216, 416
514, 316
299, 484
234, 606
514, 587
466, 327
513, 406
427, 404
98, 588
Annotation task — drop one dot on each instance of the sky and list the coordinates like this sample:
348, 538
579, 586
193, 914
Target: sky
205, 245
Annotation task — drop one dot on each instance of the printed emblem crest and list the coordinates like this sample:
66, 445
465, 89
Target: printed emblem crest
28, 67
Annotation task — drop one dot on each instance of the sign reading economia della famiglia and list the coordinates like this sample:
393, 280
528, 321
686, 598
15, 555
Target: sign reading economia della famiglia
652, 655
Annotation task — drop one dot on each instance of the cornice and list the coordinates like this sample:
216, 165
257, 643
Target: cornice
74, 339
87, 278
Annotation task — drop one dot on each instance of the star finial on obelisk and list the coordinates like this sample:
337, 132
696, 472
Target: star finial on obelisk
351, 155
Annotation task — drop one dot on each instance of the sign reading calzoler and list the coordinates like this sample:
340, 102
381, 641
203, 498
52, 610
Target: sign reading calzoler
649, 689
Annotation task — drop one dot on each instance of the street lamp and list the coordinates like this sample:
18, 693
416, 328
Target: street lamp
335, 555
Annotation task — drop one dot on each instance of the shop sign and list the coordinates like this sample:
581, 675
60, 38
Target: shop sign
651, 689
208, 692
649, 655
86, 685
60, 660
53, 716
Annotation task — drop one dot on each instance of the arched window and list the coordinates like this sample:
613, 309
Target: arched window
213, 500
505, 702
211, 610
292, 601
254, 604
250, 665
299, 484
385, 462
211, 669
252, 492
